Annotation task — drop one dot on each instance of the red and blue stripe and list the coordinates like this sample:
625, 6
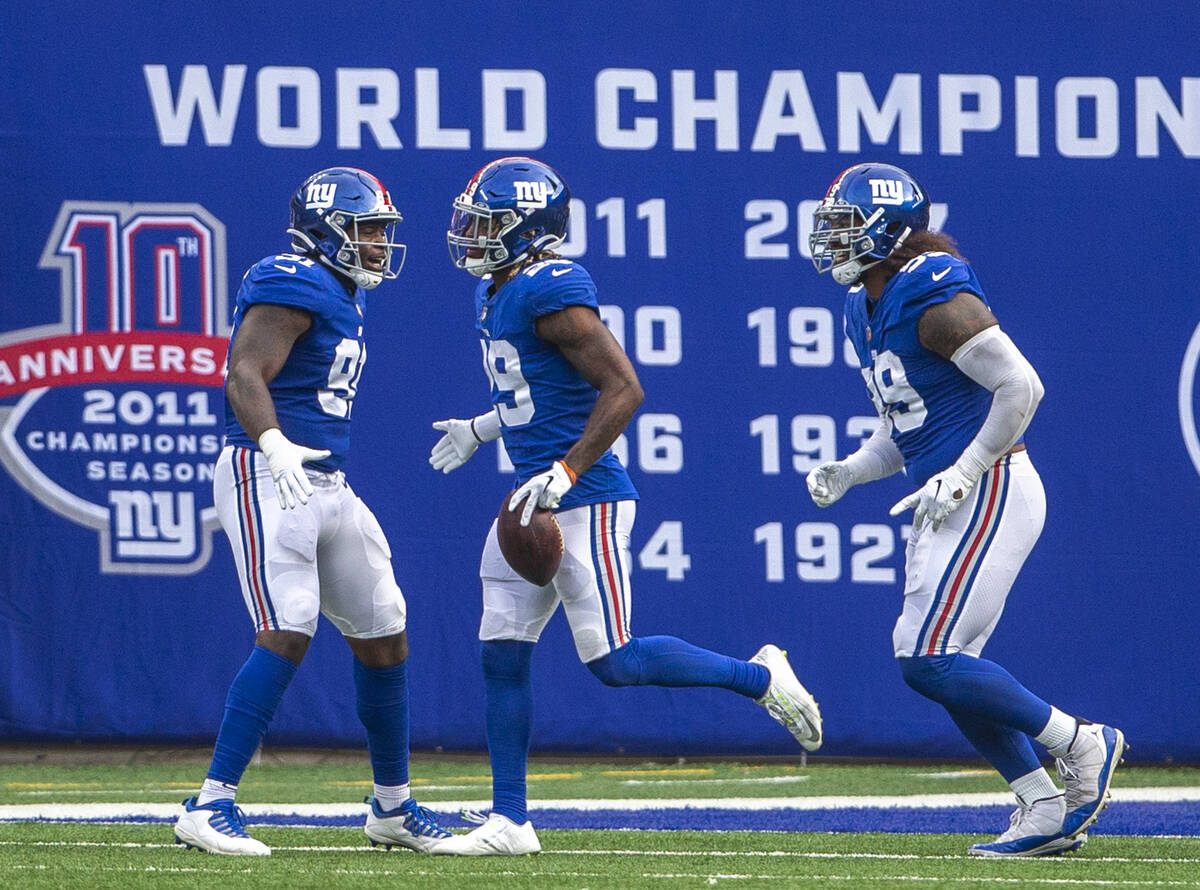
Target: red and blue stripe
254, 555
963, 569
611, 576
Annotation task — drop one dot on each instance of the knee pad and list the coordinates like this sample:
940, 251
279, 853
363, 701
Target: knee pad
506, 659
925, 673
621, 667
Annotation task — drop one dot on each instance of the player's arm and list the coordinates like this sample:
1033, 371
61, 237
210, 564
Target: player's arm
592, 350
963, 331
876, 458
588, 345
263, 342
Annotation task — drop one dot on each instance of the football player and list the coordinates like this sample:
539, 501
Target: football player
562, 391
303, 542
954, 397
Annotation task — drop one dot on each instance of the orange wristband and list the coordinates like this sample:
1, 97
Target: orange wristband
571, 474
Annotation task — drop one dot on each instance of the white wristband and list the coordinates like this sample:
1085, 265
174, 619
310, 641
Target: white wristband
877, 458
486, 427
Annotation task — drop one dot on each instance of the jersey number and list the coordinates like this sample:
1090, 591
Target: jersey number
349, 358
503, 366
894, 398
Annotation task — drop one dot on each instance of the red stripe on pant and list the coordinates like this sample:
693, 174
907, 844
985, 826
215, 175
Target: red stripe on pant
981, 532
246, 461
607, 559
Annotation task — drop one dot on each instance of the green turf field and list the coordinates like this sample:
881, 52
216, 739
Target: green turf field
135, 856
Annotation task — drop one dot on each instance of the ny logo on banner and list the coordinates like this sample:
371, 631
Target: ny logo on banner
111, 417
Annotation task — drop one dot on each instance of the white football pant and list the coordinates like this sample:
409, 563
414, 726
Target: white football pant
592, 583
328, 556
957, 578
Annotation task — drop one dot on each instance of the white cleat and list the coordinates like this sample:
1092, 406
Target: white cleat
408, 825
217, 827
1086, 772
787, 700
1035, 829
498, 836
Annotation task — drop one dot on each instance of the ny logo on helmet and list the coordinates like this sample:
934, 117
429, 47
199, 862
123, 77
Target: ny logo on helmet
320, 194
887, 191
531, 195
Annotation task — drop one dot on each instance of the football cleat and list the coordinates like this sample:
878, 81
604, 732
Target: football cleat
787, 700
407, 825
1086, 771
217, 827
1033, 830
498, 836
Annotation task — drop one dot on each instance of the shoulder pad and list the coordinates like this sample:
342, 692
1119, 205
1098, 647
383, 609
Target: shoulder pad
555, 267
935, 269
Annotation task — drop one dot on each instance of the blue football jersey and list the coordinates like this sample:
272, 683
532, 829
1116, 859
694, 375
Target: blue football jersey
542, 401
314, 390
934, 408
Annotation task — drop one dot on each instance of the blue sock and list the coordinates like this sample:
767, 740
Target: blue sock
670, 661
1006, 749
251, 703
509, 722
975, 687
381, 697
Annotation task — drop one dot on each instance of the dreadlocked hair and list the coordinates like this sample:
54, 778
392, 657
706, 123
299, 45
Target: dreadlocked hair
917, 243
536, 257
540, 255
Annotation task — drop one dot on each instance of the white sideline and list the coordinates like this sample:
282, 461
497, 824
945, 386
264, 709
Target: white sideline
123, 811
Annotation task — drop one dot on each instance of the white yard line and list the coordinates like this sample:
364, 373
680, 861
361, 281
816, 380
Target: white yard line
128, 810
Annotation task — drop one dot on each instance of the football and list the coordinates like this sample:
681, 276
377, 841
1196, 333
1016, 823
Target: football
534, 551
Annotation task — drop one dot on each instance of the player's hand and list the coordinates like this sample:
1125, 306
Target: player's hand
286, 460
827, 482
543, 490
938, 498
456, 447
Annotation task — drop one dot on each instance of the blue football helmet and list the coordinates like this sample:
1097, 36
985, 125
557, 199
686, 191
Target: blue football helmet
326, 213
867, 213
510, 209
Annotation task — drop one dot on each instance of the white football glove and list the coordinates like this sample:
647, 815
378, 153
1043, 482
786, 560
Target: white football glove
827, 482
543, 490
938, 498
286, 460
462, 438
455, 448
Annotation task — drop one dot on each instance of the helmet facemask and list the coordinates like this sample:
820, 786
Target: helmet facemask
476, 236
349, 257
846, 243
341, 247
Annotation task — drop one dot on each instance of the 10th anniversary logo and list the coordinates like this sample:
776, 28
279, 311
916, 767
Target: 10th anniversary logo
113, 417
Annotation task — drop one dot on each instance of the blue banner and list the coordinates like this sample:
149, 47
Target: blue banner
150, 153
